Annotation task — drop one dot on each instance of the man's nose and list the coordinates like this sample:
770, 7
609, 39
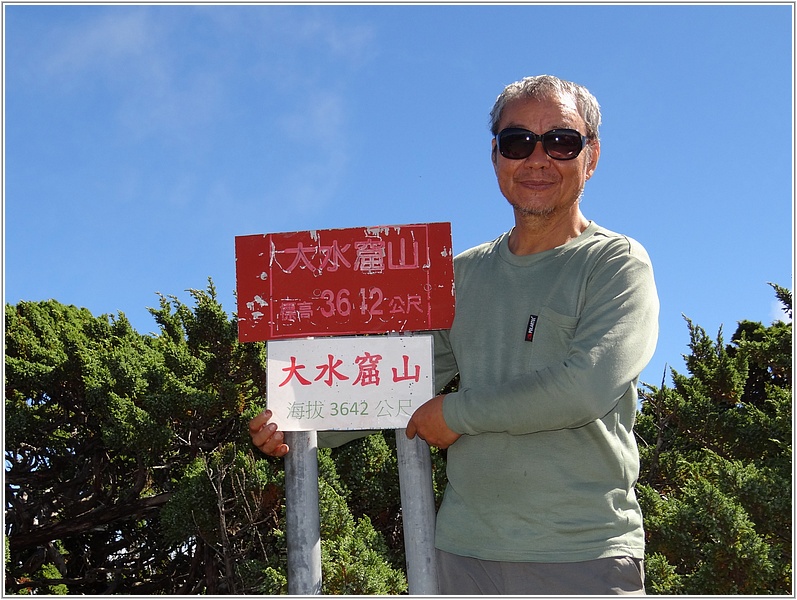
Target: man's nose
538, 156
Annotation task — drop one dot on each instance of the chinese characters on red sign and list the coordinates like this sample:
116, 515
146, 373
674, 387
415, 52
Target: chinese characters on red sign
373, 382
345, 281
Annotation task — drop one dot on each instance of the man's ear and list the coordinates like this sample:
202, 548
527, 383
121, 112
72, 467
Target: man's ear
594, 154
495, 153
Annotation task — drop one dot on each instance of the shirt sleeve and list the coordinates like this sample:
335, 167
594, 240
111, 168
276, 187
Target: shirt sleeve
613, 341
333, 439
445, 363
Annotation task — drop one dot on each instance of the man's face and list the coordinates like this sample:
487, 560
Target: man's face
540, 185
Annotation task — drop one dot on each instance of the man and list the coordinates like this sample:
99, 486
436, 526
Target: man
555, 320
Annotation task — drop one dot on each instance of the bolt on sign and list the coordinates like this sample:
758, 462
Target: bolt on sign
332, 282
365, 382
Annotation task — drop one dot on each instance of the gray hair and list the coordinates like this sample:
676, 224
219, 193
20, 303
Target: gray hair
545, 86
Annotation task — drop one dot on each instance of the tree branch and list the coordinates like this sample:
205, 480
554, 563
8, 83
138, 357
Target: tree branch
86, 522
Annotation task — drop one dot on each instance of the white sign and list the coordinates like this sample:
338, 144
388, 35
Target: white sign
366, 382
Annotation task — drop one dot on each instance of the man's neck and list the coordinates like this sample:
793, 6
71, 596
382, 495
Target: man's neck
537, 233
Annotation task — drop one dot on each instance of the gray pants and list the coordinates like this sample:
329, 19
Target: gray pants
465, 576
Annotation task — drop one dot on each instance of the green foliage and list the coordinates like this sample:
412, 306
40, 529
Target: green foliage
710, 539
129, 467
353, 563
660, 576
262, 580
354, 555
49, 572
715, 484
372, 485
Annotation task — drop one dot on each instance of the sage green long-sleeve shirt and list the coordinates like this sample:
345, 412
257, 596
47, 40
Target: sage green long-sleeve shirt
549, 348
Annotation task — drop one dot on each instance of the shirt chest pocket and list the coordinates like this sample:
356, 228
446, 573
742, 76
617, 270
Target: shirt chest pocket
552, 338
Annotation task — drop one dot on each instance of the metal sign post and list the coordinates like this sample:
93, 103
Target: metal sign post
418, 512
301, 514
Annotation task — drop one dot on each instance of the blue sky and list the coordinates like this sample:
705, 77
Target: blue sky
141, 139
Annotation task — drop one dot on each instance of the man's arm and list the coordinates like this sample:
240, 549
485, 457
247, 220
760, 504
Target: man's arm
614, 340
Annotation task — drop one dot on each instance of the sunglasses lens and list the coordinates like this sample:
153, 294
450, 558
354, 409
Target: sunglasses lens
563, 144
516, 143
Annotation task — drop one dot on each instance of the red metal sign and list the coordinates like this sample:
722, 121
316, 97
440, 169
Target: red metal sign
396, 278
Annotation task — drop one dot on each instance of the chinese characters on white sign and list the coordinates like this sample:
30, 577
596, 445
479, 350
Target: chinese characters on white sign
369, 382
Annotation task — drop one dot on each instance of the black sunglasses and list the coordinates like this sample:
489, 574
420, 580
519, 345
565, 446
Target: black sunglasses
560, 144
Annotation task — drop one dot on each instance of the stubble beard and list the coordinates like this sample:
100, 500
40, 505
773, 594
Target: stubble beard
541, 214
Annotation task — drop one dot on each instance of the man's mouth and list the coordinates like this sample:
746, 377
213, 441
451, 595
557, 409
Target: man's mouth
536, 183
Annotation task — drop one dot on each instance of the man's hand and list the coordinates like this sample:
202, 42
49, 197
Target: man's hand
428, 424
265, 435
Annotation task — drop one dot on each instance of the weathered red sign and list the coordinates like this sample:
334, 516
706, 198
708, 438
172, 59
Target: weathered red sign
396, 278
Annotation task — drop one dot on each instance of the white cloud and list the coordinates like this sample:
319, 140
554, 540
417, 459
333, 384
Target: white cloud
776, 312
104, 44
169, 75
134, 59
354, 44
